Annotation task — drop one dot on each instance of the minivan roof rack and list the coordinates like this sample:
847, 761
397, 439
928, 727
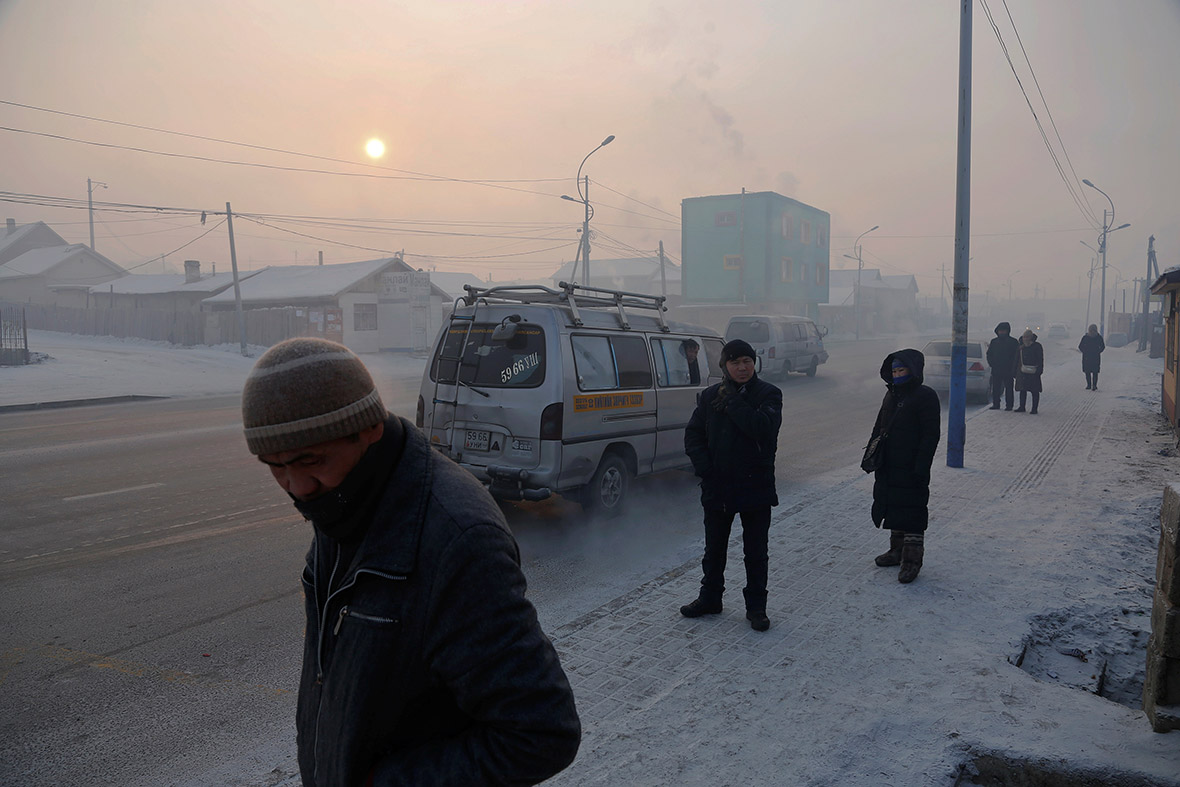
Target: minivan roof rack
572, 295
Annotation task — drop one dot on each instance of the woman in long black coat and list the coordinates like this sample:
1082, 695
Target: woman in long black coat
1092, 346
910, 419
1030, 365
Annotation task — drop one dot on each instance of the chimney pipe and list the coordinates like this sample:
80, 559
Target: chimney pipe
192, 271
11, 226
321, 258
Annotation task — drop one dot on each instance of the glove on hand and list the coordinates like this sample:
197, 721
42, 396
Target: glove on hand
721, 401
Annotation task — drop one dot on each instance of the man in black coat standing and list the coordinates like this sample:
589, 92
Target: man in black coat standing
731, 439
423, 661
1001, 357
909, 417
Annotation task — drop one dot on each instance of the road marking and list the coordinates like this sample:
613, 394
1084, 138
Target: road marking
112, 492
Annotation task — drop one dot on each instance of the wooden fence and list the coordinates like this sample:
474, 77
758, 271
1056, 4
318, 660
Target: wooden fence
264, 327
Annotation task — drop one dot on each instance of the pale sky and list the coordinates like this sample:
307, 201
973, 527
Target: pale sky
847, 105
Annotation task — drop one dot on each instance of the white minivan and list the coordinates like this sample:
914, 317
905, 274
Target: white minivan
573, 391
784, 343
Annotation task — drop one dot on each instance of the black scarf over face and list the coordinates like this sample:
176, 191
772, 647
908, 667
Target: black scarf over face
343, 513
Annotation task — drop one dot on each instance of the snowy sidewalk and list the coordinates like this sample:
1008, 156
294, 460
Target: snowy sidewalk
1046, 541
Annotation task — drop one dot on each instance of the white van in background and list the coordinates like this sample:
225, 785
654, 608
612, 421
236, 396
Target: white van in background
574, 391
783, 343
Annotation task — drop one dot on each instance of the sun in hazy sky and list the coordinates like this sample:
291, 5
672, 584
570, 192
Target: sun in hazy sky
375, 148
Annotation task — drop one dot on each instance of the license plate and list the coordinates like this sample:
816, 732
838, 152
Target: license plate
477, 440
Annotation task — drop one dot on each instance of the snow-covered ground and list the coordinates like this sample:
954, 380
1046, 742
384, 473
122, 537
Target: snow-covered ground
1017, 657
95, 367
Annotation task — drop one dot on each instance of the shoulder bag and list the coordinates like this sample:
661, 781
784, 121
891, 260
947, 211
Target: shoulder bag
875, 451
1025, 368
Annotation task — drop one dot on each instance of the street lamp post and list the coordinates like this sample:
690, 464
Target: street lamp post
90, 184
1010, 275
1090, 289
588, 213
859, 267
1106, 230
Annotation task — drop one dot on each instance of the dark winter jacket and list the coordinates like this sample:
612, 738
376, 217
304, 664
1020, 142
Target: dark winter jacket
1032, 355
426, 664
732, 443
910, 411
1001, 352
1091, 347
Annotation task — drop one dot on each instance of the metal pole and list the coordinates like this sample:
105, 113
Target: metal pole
1102, 292
663, 276
233, 259
957, 409
860, 266
1144, 333
90, 209
1090, 291
586, 235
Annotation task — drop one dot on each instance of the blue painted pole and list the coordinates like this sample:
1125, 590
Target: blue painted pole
957, 413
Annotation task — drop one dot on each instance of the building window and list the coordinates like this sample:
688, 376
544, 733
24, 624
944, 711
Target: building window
788, 226
821, 274
805, 232
821, 237
726, 218
803, 273
731, 262
364, 317
788, 269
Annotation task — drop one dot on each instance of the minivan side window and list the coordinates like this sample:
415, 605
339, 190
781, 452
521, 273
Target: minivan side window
800, 331
754, 331
604, 363
678, 362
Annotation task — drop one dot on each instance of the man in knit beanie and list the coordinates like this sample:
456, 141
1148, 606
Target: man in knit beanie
731, 440
423, 661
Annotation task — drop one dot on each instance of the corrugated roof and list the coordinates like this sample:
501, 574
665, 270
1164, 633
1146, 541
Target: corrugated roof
162, 283
295, 282
36, 262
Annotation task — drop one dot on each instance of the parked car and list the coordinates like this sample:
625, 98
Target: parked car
938, 369
1058, 330
784, 343
574, 391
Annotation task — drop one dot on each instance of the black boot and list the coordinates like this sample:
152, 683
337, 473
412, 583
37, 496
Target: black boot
911, 557
893, 556
701, 606
758, 619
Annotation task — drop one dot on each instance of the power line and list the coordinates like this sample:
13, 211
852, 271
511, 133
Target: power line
1048, 112
1078, 201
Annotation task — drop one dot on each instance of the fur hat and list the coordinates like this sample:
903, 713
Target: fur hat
738, 348
307, 391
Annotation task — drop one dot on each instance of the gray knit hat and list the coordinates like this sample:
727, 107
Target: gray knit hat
307, 391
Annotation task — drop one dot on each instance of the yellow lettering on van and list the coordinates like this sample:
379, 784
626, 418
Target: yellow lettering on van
608, 401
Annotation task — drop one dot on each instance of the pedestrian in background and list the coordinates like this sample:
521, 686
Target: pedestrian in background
731, 440
909, 419
1091, 347
423, 662
1001, 357
1030, 365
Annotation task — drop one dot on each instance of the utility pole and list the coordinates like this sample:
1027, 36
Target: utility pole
1090, 290
1151, 263
942, 289
233, 259
586, 236
1102, 297
742, 245
90, 184
957, 409
663, 276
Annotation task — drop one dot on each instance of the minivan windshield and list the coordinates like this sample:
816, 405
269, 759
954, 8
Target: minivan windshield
752, 331
518, 362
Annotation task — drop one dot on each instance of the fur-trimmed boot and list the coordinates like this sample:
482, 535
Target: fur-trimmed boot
911, 557
893, 556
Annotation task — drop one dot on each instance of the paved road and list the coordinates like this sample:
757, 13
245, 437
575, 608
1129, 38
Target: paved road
149, 569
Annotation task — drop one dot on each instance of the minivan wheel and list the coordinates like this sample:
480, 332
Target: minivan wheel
811, 370
607, 490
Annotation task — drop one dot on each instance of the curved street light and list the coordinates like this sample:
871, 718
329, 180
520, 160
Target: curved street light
584, 198
1010, 275
859, 267
1106, 230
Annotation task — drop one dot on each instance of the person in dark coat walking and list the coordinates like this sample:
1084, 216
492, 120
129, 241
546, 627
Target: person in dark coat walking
1091, 347
909, 418
731, 440
1030, 365
1001, 357
423, 662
